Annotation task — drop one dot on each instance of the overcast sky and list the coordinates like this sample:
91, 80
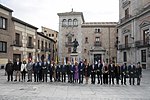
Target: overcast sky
44, 12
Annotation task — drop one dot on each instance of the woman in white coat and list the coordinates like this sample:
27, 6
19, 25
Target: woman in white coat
23, 70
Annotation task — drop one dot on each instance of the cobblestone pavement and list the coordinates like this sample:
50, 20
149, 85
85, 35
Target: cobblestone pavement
66, 91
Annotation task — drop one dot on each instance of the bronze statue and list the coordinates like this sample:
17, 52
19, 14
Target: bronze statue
75, 45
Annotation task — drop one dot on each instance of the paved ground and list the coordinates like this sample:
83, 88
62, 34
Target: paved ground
65, 91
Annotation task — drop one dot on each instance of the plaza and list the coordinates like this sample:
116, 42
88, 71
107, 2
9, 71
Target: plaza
67, 91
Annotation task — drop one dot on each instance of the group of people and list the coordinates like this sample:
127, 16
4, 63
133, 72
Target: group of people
74, 72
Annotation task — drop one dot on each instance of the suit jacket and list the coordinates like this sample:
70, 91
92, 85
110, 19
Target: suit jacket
99, 68
63, 68
17, 67
81, 66
123, 70
72, 68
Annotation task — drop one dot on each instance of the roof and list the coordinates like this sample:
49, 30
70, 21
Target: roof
42, 34
71, 13
97, 24
5, 8
24, 23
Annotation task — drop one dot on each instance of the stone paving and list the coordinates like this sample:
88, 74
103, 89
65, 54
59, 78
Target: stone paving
66, 91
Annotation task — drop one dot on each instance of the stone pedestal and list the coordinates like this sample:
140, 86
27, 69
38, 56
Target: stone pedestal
74, 57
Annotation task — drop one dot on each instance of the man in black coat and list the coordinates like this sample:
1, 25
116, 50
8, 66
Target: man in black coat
44, 70
111, 69
81, 68
36, 70
58, 71
99, 72
132, 72
72, 71
9, 69
123, 73
63, 71
17, 69
93, 72
138, 73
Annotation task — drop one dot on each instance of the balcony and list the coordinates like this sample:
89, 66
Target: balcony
30, 45
98, 44
124, 46
125, 18
69, 44
17, 43
142, 43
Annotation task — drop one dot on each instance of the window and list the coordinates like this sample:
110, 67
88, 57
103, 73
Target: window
45, 45
97, 30
86, 39
69, 22
30, 41
69, 39
75, 22
3, 46
126, 41
45, 31
125, 56
42, 45
64, 22
38, 44
17, 39
49, 35
3, 23
127, 13
143, 55
69, 50
49, 45
84, 50
97, 39
52, 35
146, 34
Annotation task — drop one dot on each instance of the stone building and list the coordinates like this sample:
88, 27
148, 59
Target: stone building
23, 40
134, 32
19, 39
6, 29
53, 35
96, 39
45, 47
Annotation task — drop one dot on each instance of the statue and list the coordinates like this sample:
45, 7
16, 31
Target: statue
75, 45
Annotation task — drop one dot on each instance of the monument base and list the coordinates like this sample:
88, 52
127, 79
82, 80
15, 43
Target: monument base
74, 57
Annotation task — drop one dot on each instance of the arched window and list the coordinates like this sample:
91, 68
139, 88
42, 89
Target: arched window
64, 22
75, 22
69, 22
69, 39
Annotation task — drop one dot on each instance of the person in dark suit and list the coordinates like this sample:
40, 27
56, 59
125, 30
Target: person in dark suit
138, 73
68, 71
123, 72
111, 72
36, 69
17, 69
99, 72
72, 71
81, 67
87, 72
63, 70
132, 72
58, 71
9, 69
44, 70
105, 74
117, 73
50, 68
93, 72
